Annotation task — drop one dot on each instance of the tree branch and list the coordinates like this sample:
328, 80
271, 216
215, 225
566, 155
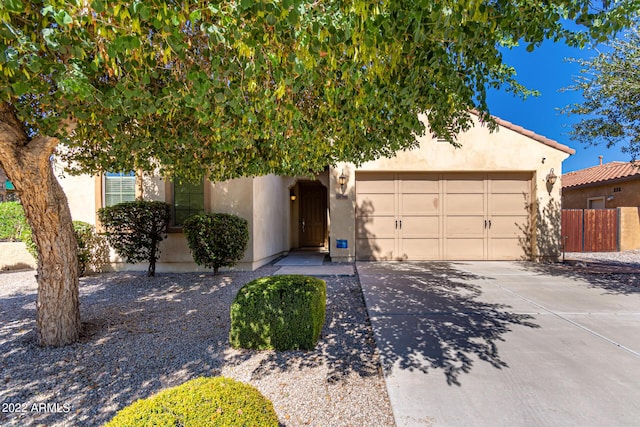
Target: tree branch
11, 128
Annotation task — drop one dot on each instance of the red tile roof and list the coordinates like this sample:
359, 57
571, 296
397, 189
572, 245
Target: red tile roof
536, 137
601, 173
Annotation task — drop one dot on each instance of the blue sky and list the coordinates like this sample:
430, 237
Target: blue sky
546, 70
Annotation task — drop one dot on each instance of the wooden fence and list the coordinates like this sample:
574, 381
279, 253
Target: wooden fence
590, 230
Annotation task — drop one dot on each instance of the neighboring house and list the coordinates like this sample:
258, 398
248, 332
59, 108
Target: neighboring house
7, 191
3, 186
609, 185
435, 202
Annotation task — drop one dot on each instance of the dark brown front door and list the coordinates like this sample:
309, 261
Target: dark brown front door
313, 214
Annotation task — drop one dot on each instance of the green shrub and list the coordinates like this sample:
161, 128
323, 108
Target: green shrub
279, 312
200, 402
135, 230
14, 226
93, 250
216, 239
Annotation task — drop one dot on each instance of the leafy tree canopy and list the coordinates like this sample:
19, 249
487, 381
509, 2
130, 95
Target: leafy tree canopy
610, 84
231, 88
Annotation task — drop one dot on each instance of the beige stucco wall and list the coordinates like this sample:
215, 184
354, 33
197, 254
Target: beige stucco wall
505, 150
81, 195
577, 198
14, 256
263, 202
271, 217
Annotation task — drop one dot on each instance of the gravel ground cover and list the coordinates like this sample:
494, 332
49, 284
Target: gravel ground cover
630, 258
145, 334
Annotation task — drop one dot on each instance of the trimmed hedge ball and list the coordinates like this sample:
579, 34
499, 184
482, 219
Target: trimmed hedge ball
279, 313
201, 402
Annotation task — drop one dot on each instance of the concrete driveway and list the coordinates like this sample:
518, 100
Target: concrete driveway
504, 344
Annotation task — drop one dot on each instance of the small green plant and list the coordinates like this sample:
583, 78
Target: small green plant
200, 402
279, 312
93, 250
216, 239
135, 230
14, 226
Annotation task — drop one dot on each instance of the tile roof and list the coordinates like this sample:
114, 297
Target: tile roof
600, 173
522, 131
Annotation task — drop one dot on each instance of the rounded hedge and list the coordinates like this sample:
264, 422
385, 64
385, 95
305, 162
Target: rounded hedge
283, 312
216, 239
93, 249
201, 402
135, 229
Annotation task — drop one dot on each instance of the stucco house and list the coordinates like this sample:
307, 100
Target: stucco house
7, 191
609, 185
435, 202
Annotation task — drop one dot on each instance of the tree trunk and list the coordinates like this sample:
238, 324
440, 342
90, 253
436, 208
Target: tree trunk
27, 163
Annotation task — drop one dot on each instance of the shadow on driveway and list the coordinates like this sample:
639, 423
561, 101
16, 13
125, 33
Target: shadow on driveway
612, 277
429, 316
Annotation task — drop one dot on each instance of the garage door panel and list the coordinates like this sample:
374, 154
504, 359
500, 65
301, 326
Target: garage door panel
375, 205
464, 249
462, 186
509, 183
419, 183
444, 216
506, 249
375, 249
507, 226
460, 226
464, 204
420, 204
375, 183
420, 249
376, 227
420, 227
508, 203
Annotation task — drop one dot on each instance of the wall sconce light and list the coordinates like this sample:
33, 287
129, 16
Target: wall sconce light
610, 198
292, 196
342, 180
551, 178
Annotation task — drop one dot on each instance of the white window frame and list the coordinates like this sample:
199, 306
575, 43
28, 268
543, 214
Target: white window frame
120, 175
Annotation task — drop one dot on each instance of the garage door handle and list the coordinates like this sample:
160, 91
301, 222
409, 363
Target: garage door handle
396, 224
400, 224
489, 223
485, 223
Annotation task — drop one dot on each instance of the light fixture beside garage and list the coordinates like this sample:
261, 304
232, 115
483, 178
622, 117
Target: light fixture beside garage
551, 180
342, 181
292, 195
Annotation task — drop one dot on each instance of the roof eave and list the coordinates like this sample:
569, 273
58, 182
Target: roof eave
530, 134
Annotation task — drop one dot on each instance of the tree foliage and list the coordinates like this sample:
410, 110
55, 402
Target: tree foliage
135, 230
610, 85
286, 86
238, 88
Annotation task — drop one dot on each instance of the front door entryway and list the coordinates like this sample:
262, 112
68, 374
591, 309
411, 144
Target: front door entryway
313, 214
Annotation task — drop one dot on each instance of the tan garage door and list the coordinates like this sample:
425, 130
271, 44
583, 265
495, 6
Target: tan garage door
428, 216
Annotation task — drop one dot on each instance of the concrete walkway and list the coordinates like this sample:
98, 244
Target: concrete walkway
504, 344
312, 264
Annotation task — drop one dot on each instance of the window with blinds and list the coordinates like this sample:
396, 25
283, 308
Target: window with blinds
119, 187
188, 199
